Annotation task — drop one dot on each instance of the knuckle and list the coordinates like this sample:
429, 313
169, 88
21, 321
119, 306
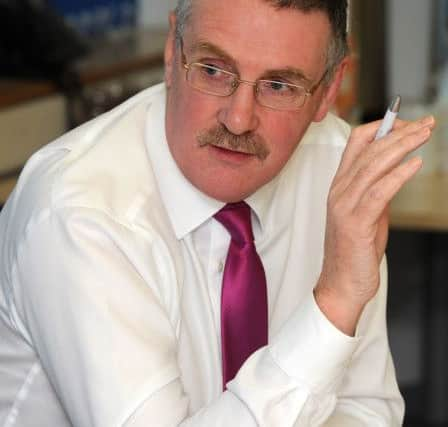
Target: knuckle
356, 133
372, 168
333, 198
399, 175
363, 173
375, 193
336, 206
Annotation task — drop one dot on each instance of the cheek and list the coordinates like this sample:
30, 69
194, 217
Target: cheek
283, 134
198, 113
188, 113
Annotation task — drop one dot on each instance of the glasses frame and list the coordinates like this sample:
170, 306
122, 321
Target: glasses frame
237, 81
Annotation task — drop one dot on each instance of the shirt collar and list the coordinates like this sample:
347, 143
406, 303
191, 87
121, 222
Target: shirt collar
261, 201
186, 206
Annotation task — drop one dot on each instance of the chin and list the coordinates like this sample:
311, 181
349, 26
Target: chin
227, 196
227, 193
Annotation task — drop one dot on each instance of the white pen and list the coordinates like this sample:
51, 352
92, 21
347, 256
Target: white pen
389, 118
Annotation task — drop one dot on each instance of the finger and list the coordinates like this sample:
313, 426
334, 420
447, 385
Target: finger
377, 198
362, 137
375, 169
425, 120
386, 153
408, 129
382, 233
400, 129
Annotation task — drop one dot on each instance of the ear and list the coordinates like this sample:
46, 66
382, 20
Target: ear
331, 91
170, 50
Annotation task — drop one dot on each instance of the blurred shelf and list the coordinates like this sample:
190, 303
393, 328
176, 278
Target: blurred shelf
109, 58
6, 186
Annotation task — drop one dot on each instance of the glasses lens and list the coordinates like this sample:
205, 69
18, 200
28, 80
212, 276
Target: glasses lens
280, 95
210, 79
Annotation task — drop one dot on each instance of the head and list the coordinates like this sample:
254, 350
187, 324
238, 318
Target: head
229, 146
336, 11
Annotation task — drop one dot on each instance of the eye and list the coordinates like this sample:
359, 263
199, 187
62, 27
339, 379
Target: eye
211, 70
279, 86
213, 73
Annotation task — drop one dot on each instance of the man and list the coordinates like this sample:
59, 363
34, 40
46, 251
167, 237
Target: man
119, 247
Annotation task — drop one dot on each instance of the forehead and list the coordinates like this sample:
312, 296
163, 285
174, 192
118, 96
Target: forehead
255, 34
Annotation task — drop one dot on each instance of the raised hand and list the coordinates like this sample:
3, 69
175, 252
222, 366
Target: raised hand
370, 174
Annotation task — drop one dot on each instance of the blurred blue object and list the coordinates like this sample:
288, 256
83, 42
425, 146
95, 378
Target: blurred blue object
97, 17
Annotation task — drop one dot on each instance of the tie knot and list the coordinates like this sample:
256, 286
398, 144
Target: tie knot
235, 217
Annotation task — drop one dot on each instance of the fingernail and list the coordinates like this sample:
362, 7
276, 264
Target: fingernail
425, 132
428, 120
415, 163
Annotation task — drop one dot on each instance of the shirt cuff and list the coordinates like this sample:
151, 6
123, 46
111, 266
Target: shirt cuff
311, 349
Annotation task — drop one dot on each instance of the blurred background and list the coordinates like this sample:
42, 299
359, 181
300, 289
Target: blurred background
63, 62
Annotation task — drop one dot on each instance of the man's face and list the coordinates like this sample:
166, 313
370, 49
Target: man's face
256, 41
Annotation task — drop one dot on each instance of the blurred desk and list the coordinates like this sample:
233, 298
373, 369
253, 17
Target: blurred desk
422, 206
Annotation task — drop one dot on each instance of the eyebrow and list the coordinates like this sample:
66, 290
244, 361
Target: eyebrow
291, 73
207, 47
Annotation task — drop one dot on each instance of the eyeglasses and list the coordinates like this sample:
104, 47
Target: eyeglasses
273, 94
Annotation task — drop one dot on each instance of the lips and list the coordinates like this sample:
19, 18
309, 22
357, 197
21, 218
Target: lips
230, 156
224, 147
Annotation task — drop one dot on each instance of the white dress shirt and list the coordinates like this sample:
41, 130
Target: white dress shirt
110, 279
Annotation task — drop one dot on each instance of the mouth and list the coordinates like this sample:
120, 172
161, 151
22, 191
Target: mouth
225, 148
229, 154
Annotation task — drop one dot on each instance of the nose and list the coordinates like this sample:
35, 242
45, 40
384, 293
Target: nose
238, 114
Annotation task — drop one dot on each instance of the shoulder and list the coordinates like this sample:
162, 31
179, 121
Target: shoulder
101, 165
331, 131
307, 177
320, 150
94, 186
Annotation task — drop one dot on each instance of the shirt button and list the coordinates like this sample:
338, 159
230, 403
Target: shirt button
220, 266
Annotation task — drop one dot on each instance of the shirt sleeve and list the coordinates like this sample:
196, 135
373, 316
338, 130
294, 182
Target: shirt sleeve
334, 379
103, 333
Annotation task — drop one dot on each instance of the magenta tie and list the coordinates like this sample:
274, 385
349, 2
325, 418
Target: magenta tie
244, 302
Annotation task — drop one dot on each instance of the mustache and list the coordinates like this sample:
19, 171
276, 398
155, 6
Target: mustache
248, 142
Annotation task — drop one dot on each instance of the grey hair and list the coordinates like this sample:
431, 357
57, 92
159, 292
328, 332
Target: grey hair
183, 13
336, 11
